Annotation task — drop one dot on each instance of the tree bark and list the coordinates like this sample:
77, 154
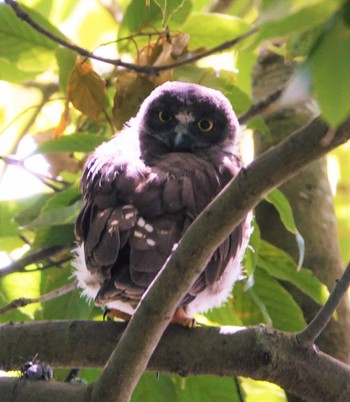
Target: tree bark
311, 200
257, 352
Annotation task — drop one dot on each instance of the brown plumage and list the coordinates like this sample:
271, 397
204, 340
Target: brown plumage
143, 189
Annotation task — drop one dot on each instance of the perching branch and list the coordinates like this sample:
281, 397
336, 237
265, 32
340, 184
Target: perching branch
22, 302
257, 352
146, 69
308, 336
274, 167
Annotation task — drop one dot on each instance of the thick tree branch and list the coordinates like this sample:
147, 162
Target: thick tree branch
258, 352
146, 69
309, 335
271, 169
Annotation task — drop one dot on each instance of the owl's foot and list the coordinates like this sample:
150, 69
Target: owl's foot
110, 314
181, 318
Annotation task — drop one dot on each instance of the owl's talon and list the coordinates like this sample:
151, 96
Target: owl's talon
110, 314
182, 319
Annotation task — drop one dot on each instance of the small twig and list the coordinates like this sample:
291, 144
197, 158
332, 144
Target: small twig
261, 108
147, 69
22, 302
308, 336
35, 256
46, 94
51, 263
47, 179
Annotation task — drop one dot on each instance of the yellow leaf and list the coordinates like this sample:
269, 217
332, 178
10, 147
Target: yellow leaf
63, 123
86, 89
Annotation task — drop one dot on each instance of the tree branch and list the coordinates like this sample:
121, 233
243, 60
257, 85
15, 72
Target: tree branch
35, 256
45, 179
146, 69
257, 352
308, 336
46, 297
271, 169
263, 107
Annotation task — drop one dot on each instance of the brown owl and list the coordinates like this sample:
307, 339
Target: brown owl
143, 189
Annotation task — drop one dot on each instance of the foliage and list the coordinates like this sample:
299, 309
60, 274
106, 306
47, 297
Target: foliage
92, 99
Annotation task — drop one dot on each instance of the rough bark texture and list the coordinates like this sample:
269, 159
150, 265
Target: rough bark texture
258, 352
311, 200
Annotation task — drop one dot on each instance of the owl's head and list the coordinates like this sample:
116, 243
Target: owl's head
185, 117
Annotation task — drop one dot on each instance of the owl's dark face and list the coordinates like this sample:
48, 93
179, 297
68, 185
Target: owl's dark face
183, 117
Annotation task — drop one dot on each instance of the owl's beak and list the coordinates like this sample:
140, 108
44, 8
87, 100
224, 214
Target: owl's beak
181, 140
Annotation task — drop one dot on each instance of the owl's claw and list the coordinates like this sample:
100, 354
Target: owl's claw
181, 318
110, 314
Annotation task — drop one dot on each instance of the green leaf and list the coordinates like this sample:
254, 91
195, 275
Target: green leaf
259, 124
285, 313
220, 80
261, 391
153, 389
63, 198
10, 72
81, 142
210, 30
57, 216
22, 45
281, 203
281, 266
14, 214
205, 388
284, 18
32, 209
202, 388
23, 284
138, 16
69, 306
59, 235
249, 310
330, 72
66, 61
252, 251
8, 226
168, 8
267, 302
224, 315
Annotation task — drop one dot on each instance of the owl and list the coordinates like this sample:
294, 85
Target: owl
143, 189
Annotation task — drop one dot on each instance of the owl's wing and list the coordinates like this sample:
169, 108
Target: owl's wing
127, 226
134, 215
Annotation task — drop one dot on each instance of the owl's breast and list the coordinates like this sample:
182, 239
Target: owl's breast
180, 182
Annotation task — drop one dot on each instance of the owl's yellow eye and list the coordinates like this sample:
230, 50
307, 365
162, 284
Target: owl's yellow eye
205, 125
164, 116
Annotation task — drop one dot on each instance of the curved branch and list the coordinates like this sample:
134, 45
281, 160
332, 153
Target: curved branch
146, 69
308, 336
258, 352
271, 169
